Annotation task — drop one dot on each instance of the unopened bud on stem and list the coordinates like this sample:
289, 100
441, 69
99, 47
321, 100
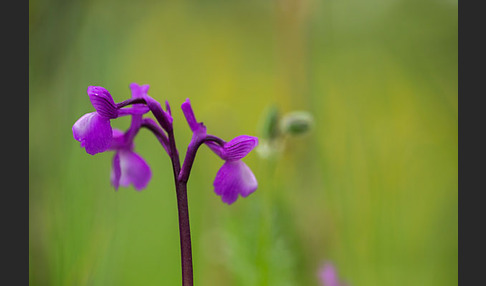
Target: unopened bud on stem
296, 123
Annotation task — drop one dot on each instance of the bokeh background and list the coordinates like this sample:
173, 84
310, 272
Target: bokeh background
372, 188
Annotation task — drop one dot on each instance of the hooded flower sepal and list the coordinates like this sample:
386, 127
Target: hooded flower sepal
102, 101
235, 149
130, 168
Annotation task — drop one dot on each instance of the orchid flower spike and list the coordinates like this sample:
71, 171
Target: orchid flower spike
96, 135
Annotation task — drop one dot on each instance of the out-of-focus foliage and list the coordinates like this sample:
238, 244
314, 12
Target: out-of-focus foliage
372, 186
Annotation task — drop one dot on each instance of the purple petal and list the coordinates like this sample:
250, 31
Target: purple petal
134, 170
328, 275
239, 147
137, 109
102, 101
234, 178
167, 107
191, 118
189, 114
116, 171
94, 132
139, 91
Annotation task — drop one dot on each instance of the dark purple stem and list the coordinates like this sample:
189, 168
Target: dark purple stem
168, 142
183, 210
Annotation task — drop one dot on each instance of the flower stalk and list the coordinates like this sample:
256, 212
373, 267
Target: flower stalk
183, 213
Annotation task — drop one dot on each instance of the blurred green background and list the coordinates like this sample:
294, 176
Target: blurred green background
372, 188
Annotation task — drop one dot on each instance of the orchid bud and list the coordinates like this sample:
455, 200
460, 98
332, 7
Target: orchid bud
296, 123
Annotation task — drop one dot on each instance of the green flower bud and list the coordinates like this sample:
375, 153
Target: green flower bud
296, 123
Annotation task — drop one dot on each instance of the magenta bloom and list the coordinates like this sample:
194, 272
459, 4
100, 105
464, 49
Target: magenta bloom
234, 177
94, 132
93, 129
128, 167
96, 135
328, 275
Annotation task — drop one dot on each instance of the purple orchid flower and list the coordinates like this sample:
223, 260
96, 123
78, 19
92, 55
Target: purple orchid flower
234, 177
129, 167
93, 129
328, 275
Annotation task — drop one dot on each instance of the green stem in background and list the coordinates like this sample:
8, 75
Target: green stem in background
266, 229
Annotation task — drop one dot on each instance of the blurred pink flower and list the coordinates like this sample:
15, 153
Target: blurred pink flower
328, 275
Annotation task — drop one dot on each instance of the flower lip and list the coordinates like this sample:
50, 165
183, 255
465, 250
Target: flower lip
130, 168
234, 178
94, 132
102, 101
115, 171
